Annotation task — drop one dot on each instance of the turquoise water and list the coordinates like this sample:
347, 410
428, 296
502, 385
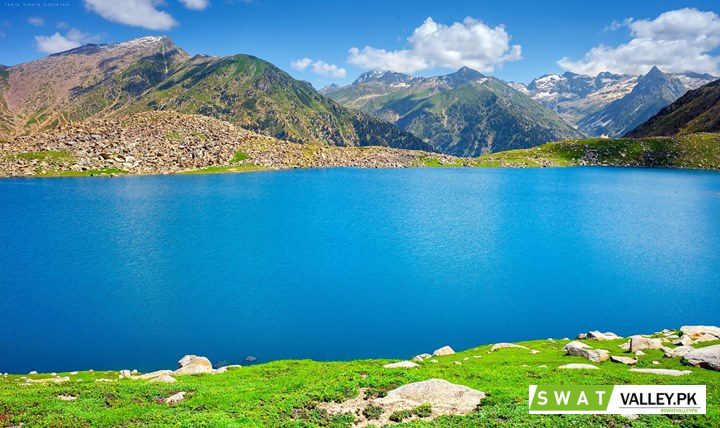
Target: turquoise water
135, 272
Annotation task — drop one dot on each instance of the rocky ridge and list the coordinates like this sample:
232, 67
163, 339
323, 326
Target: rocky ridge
169, 142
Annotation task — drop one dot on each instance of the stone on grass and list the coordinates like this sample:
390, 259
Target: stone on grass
166, 378
664, 372
401, 365
192, 364
676, 352
639, 342
685, 340
698, 330
580, 349
175, 398
153, 375
124, 373
503, 345
707, 358
596, 335
534, 351
623, 360
639, 353
625, 346
445, 350
420, 358
576, 366
705, 337
67, 397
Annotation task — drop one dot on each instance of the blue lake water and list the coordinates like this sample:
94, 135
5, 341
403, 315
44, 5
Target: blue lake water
135, 272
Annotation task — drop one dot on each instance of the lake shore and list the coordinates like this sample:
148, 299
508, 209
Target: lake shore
492, 378
170, 143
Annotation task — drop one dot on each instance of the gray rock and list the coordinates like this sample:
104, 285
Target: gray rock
504, 345
623, 360
707, 358
685, 340
175, 398
445, 350
698, 330
665, 372
576, 366
401, 365
676, 352
638, 343
192, 364
582, 350
596, 335
420, 358
165, 378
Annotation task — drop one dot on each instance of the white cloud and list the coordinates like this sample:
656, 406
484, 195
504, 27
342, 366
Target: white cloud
195, 4
319, 67
61, 25
676, 41
58, 43
37, 21
137, 13
470, 43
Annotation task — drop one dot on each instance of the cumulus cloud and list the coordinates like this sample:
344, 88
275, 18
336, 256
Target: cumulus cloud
319, 67
195, 4
36, 21
137, 13
676, 41
470, 43
58, 43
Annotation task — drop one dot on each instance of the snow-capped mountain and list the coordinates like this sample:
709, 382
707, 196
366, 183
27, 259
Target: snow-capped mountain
576, 97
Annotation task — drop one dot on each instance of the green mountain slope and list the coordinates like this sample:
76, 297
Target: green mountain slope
152, 73
463, 113
696, 111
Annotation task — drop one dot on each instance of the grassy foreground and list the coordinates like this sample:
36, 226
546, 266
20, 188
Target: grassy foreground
286, 393
696, 151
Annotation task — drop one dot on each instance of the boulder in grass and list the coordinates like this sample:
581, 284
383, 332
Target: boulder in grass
628, 361
580, 349
504, 345
676, 352
638, 343
445, 350
695, 331
192, 364
175, 398
707, 358
685, 340
596, 335
420, 358
576, 366
401, 365
663, 372
164, 378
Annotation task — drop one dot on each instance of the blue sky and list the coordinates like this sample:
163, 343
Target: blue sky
514, 40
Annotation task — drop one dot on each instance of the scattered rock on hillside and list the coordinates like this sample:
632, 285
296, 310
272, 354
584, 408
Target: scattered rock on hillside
175, 398
153, 375
166, 378
576, 366
596, 335
708, 357
445, 350
705, 337
583, 350
443, 398
504, 345
192, 364
67, 397
639, 342
421, 357
684, 340
623, 360
665, 372
695, 331
676, 352
400, 365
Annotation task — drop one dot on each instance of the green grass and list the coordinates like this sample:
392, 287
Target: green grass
286, 393
226, 168
433, 162
239, 157
85, 173
688, 151
173, 136
45, 155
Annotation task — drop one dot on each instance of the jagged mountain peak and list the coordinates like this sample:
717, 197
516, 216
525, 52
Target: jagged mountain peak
463, 75
383, 76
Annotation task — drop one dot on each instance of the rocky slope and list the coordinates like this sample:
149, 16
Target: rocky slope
463, 113
696, 111
170, 142
152, 73
652, 92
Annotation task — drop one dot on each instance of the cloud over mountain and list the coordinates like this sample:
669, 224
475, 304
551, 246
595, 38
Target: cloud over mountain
58, 42
470, 43
676, 41
319, 67
137, 13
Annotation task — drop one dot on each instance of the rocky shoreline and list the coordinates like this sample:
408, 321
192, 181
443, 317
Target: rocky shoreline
166, 142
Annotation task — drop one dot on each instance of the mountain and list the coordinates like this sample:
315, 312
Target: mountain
329, 88
696, 111
152, 73
652, 92
575, 96
463, 113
